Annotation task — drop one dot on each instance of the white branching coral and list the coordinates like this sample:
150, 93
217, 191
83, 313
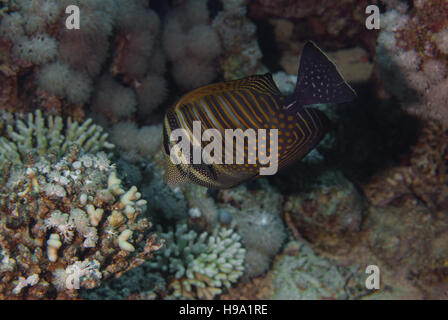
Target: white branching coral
200, 265
25, 282
63, 207
77, 275
61, 223
40, 137
90, 182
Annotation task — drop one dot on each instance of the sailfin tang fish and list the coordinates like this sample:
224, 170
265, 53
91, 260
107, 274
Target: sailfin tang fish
252, 104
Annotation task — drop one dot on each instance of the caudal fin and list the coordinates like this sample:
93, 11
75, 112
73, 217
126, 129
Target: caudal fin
319, 80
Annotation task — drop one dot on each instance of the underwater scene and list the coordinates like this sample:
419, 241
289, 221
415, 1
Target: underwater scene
223, 149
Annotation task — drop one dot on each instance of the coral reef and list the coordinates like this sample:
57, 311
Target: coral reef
329, 216
136, 144
299, 274
199, 265
166, 203
420, 178
395, 235
139, 283
339, 25
411, 58
257, 217
68, 61
39, 137
411, 242
191, 44
114, 99
373, 192
242, 54
201, 205
66, 220
191, 265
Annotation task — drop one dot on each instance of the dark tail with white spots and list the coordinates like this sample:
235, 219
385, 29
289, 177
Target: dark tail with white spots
319, 80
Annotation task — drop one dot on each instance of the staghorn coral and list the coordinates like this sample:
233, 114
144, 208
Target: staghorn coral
199, 265
66, 220
40, 137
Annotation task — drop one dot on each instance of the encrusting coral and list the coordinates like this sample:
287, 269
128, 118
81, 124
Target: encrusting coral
66, 220
299, 274
422, 177
328, 215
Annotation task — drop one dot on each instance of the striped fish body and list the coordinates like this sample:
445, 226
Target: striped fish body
254, 103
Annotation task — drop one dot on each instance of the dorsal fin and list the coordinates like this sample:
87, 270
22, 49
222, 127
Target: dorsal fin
319, 80
262, 83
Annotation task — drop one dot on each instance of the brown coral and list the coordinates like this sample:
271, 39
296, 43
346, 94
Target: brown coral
56, 219
426, 18
340, 23
328, 216
422, 178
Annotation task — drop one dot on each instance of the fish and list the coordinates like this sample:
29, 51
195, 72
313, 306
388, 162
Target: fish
259, 118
